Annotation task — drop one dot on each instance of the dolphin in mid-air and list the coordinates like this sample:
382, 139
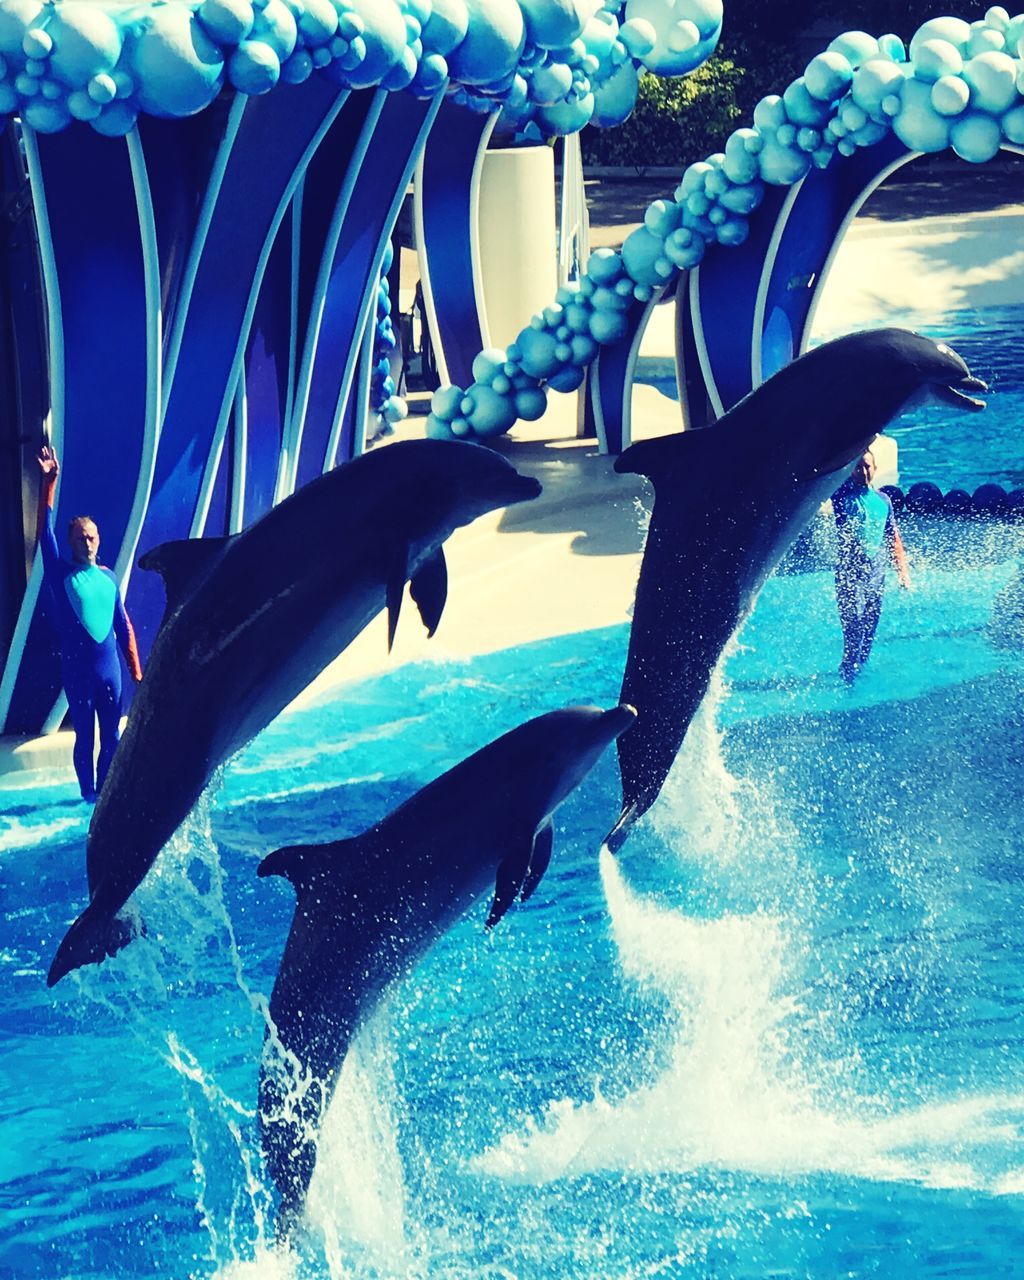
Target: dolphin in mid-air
367, 908
729, 500
251, 620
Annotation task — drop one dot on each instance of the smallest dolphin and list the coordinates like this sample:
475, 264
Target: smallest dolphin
367, 908
251, 620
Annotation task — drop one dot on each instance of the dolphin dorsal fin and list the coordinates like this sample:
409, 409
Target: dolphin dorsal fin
302, 864
182, 564
670, 455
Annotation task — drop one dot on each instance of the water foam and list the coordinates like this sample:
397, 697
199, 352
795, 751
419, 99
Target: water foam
356, 1197
15, 834
741, 1090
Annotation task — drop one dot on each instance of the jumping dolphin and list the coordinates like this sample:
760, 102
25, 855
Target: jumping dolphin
368, 908
729, 501
251, 620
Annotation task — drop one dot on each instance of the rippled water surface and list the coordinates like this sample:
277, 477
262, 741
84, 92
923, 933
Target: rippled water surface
781, 1037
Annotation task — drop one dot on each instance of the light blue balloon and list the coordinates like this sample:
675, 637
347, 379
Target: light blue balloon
177, 68
552, 24
993, 81
874, 81
492, 414
828, 76
228, 21
615, 98
976, 137
493, 42
86, 41
567, 117
857, 47
254, 67
917, 125
950, 95
383, 35
446, 27
16, 17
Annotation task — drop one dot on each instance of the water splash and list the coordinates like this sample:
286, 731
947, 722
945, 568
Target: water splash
701, 806
357, 1197
742, 1088
15, 834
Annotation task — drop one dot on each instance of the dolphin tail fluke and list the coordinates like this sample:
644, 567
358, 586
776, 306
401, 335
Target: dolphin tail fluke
94, 936
618, 835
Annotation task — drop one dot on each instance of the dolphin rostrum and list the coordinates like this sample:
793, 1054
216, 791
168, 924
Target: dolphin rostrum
728, 502
250, 621
367, 908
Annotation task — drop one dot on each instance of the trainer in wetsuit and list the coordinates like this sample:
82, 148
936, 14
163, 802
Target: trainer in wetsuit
91, 622
868, 542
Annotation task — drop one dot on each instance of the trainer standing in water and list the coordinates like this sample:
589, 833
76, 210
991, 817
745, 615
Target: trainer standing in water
91, 623
868, 542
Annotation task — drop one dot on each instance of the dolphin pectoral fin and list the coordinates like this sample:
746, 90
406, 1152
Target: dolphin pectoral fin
512, 871
93, 936
429, 588
395, 589
540, 860
616, 838
181, 564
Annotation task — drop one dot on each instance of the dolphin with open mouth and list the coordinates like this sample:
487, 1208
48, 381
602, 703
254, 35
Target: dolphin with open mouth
730, 499
251, 620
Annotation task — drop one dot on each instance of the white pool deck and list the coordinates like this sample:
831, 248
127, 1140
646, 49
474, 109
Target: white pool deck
568, 561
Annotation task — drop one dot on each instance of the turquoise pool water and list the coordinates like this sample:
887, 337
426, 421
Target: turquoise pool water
783, 1037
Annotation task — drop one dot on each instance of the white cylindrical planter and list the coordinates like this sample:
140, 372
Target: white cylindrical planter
518, 249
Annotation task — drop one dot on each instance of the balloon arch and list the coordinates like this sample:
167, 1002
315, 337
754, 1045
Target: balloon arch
747, 239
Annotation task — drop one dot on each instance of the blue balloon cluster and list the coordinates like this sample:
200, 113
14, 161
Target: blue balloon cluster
384, 402
958, 85
553, 61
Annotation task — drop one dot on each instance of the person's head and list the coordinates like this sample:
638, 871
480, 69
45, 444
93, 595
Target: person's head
864, 469
85, 540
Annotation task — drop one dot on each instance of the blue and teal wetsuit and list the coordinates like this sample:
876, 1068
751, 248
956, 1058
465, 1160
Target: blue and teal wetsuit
91, 622
868, 542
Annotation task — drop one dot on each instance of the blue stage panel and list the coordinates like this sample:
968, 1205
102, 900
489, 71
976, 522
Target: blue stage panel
352, 289
727, 285
104, 374
24, 395
182, 155
321, 189
819, 210
448, 203
268, 375
275, 139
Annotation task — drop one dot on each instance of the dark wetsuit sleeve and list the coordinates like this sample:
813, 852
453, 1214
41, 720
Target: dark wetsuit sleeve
44, 527
125, 633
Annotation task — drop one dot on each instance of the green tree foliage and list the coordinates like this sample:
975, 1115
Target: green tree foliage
672, 119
